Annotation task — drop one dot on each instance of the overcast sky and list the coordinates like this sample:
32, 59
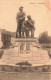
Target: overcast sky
40, 12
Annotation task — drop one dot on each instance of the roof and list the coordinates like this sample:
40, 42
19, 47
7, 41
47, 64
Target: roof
3, 31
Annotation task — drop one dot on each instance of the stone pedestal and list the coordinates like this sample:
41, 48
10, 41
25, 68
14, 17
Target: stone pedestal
25, 45
26, 50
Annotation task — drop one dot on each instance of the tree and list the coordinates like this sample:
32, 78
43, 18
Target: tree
43, 37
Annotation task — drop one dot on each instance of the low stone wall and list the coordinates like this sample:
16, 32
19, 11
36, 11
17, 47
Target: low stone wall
24, 69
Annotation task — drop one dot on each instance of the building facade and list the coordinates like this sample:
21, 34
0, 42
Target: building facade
5, 38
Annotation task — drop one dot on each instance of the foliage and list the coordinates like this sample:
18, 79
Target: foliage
44, 38
24, 63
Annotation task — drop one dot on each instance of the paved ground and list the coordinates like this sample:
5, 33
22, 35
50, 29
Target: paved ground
25, 76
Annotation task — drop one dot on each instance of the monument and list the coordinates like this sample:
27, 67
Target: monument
26, 48
24, 26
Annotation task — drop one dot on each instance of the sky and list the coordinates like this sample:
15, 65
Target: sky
40, 11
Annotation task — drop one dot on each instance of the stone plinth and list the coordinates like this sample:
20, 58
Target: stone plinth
26, 40
26, 50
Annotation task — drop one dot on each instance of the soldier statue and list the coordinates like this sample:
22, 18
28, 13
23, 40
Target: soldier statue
20, 19
28, 25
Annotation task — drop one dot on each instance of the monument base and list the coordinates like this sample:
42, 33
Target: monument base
26, 50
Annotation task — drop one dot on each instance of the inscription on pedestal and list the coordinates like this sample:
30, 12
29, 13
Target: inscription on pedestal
25, 48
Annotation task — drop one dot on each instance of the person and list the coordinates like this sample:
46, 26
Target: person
20, 19
27, 26
30, 24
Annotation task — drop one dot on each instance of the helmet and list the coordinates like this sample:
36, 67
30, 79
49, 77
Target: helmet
28, 16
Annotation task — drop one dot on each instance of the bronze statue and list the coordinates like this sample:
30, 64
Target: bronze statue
28, 26
20, 18
24, 26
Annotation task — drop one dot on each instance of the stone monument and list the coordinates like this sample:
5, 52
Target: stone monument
25, 48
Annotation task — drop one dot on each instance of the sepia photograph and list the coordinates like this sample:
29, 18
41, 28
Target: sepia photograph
25, 39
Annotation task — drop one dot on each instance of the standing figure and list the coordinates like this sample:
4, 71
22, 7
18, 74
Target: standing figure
20, 19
